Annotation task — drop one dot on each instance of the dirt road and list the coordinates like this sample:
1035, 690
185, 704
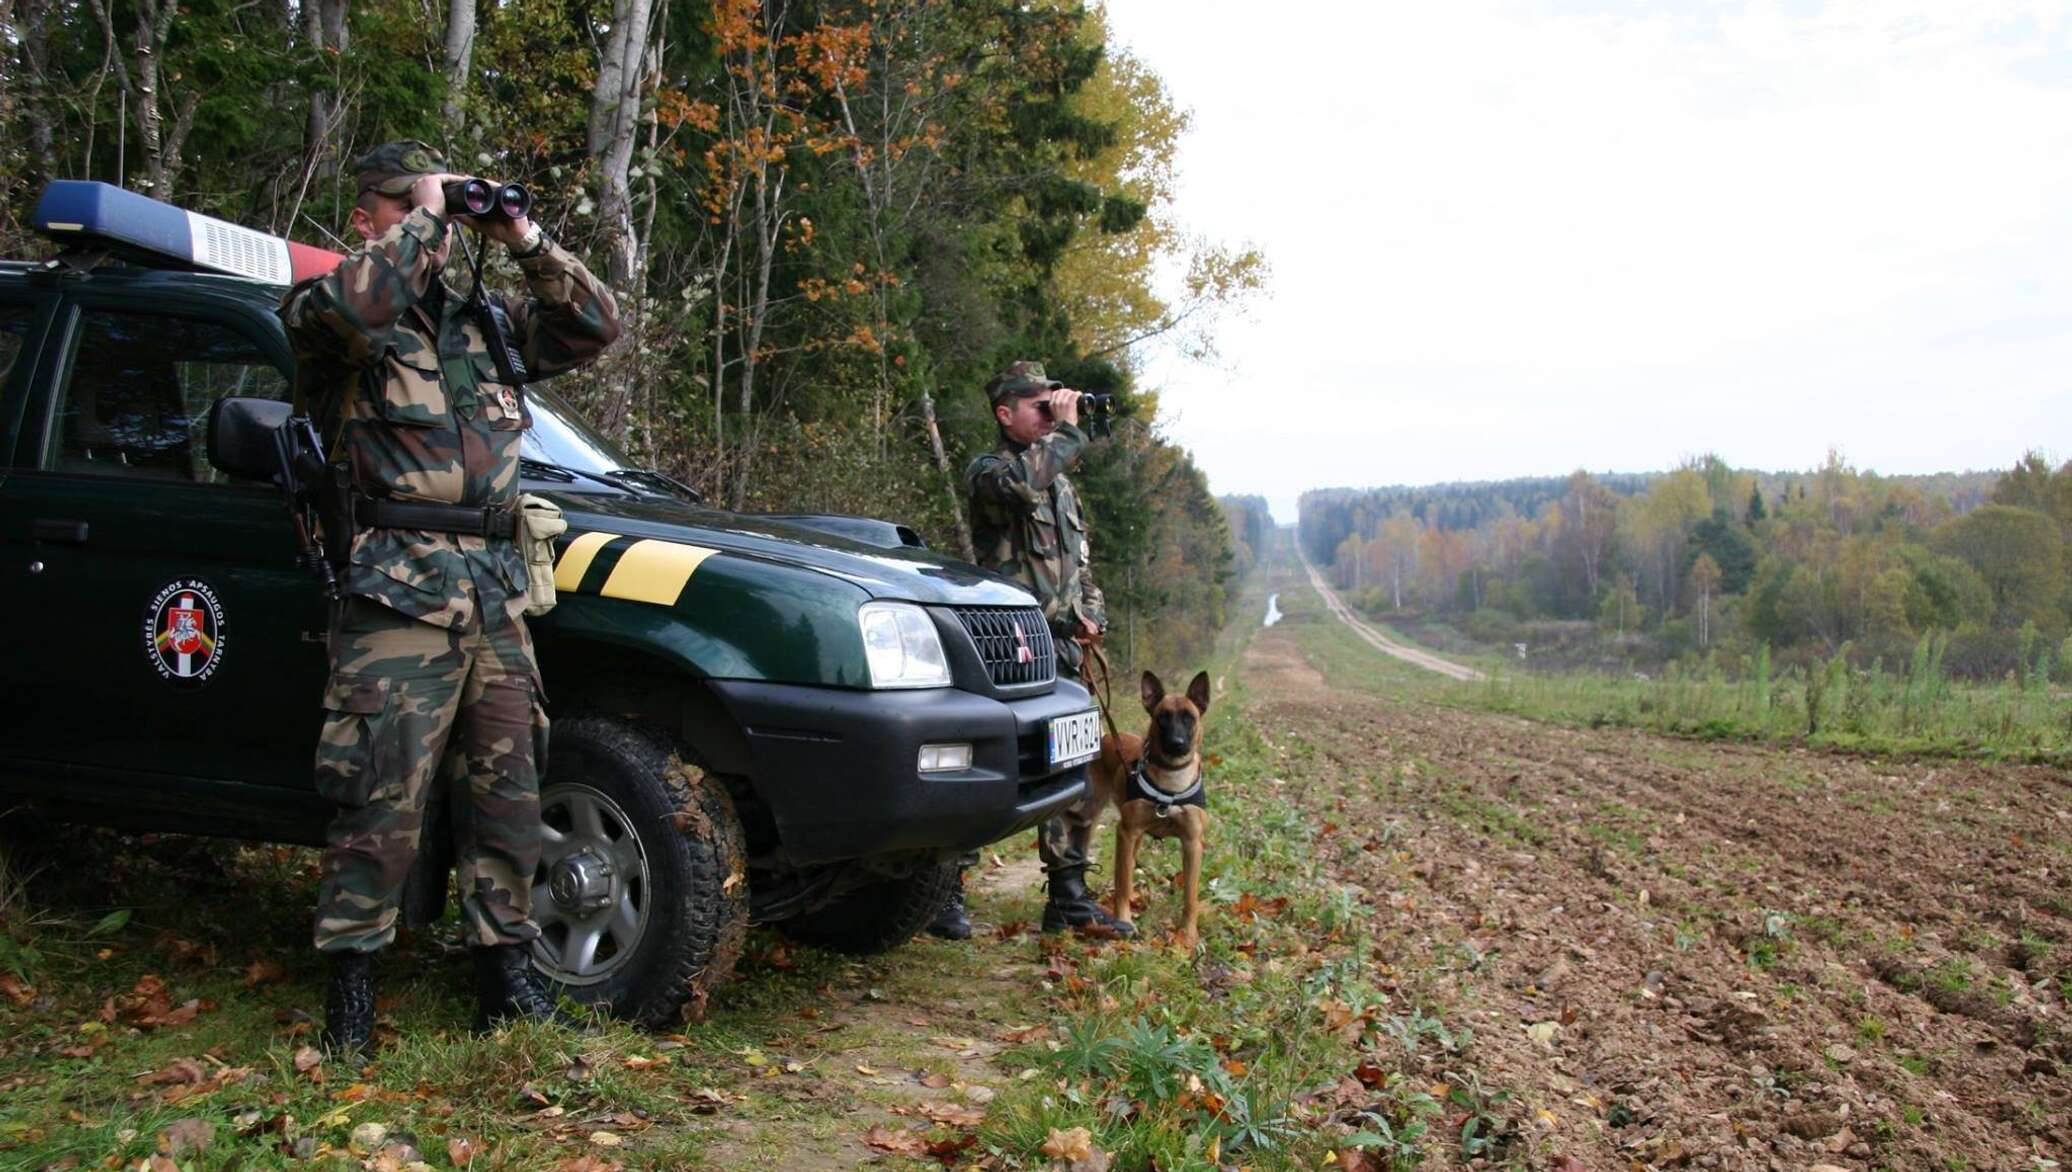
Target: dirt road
1675, 954
1381, 642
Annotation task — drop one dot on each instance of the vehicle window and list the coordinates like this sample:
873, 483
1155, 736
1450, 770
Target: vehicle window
14, 327
137, 394
560, 436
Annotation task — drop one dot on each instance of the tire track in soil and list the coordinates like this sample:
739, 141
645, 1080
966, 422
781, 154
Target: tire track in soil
1617, 884
858, 1046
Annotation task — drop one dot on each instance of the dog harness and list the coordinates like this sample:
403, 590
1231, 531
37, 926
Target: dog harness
1141, 787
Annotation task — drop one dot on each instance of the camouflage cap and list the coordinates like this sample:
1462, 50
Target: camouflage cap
1019, 379
393, 166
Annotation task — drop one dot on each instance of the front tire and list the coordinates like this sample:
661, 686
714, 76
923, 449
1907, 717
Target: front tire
642, 890
877, 917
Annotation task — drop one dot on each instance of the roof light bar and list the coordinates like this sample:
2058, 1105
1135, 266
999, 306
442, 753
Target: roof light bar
81, 210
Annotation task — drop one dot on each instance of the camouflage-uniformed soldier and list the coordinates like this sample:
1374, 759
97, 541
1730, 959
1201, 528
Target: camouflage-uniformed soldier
429, 652
1026, 523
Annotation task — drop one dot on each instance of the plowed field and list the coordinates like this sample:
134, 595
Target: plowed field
1684, 954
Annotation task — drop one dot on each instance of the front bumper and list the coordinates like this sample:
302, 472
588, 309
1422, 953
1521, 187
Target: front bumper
839, 769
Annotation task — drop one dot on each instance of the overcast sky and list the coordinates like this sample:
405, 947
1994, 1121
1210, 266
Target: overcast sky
1517, 238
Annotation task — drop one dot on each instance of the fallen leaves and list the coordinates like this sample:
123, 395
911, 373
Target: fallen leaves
16, 990
148, 1006
945, 1113
264, 972
1075, 1149
183, 1136
179, 1070
898, 1140
1250, 906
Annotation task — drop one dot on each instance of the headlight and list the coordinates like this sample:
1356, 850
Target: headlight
901, 645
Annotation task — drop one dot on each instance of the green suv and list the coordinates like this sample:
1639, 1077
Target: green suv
795, 720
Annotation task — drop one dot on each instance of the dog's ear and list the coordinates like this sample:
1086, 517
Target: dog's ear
1151, 690
1198, 691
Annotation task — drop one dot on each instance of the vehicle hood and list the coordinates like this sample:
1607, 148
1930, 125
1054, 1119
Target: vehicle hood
904, 575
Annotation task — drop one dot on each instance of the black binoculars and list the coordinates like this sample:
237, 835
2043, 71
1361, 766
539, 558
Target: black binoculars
486, 201
1090, 403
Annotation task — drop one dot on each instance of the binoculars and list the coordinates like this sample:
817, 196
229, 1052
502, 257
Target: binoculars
1090, 404
486, 201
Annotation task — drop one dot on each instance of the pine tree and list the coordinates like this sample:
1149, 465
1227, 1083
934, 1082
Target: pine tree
1756, 512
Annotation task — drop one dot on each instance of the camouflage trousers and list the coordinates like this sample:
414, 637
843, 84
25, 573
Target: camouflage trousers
406, 701
1062, 840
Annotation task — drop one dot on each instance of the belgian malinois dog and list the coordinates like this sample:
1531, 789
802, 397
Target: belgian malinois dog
1155, 783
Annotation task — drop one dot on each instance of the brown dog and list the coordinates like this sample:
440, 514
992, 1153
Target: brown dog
1155, 784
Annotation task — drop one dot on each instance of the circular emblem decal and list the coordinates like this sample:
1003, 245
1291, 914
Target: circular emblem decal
183, 633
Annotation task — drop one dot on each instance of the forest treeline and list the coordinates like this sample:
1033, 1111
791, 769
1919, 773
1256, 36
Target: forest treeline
827, 223
1972, 571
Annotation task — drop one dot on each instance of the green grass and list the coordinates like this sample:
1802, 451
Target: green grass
201, 914
1879, 711
1178, 1060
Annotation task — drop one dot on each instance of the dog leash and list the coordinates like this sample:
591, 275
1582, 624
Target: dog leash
1098, 657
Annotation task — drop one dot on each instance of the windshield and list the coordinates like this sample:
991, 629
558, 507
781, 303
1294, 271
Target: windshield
559, 436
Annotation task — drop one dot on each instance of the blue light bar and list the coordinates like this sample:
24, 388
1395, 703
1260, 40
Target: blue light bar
81, 210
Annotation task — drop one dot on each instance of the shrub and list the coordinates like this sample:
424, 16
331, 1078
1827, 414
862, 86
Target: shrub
1489, 625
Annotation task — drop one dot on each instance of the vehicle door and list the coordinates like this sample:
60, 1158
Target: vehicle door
161, 623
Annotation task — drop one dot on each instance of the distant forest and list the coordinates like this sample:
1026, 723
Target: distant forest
1836, 561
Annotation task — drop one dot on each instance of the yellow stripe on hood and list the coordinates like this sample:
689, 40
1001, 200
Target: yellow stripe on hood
575, 560
654, 571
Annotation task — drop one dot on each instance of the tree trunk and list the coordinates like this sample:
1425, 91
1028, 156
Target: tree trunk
622, 75
614, 121
323, 33
942, 465
35, 110
460, 53
140, 78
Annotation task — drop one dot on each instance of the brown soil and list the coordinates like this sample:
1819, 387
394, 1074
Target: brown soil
879, 1051
1753, 958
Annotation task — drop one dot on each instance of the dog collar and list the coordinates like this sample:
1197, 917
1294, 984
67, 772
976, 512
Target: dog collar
1141, 787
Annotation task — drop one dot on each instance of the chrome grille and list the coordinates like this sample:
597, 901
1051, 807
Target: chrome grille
1011, 658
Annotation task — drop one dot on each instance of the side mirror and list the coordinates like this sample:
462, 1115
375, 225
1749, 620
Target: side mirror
245, 437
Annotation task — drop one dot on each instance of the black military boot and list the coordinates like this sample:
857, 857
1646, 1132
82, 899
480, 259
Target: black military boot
505, 989
349, 1006
1071, 905
950, 922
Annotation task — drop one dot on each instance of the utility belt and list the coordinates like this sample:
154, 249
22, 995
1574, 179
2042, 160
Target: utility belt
380, 513
533, 525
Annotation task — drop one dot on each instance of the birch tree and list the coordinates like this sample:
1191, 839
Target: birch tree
460, 53
163, 120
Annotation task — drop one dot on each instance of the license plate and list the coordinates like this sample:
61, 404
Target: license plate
1075, 738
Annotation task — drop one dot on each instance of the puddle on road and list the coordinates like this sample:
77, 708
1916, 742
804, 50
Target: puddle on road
1273, 609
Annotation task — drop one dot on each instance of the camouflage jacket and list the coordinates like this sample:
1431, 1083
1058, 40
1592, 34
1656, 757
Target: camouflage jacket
1026, 523
392, 366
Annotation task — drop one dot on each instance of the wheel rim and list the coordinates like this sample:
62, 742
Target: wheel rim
591, 893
